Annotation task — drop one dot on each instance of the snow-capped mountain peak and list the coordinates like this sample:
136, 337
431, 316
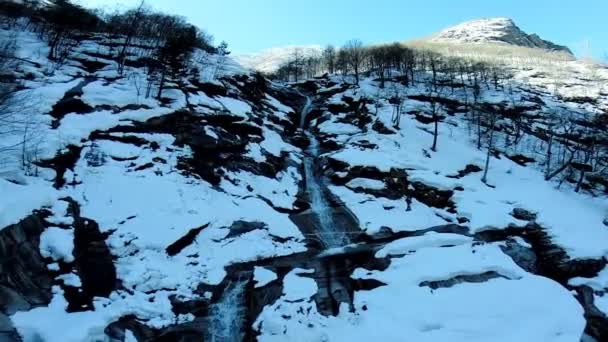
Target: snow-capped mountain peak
494, 30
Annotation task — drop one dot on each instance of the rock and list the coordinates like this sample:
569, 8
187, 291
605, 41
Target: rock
379, 127
7, 330
470, 168
472, 278
523, 214
431, 196
523, 256
25, 281
63, 161
597, 321
184, 241
93, 261
242, 227
520, 159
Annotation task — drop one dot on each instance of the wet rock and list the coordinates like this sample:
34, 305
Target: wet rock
25, 281
300, 140
186, 332
523, 256
523, 214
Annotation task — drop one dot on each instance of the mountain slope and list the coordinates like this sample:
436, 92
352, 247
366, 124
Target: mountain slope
233, 208
494, 30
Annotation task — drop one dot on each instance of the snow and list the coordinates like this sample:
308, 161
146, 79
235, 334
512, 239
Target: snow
459, 313
561, 211
430, 239
57, 244
296, 287
263, 276
365, 183
18, 201
145, 210
118, 93
377, 212
234, 106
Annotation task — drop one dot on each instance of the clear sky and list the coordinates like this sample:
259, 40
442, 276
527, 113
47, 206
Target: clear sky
253, 25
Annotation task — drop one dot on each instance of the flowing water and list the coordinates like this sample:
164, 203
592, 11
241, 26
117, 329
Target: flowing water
227, 316
319, 204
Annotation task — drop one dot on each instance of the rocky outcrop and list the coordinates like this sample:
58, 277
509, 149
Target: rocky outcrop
25, 281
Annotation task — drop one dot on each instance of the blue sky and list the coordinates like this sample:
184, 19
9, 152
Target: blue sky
253, 25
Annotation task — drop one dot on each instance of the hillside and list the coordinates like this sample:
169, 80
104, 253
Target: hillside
454, 195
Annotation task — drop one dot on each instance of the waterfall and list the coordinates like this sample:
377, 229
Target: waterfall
228, 314
326, 227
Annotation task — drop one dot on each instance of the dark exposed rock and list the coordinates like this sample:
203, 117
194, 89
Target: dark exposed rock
432, 197
523, 214
470, 168
93, 261
7, 330
521, 159
63, 161
184, 241
466, 278
71, 103
597, 321
25, 281
126, 139
242, 227
379, 127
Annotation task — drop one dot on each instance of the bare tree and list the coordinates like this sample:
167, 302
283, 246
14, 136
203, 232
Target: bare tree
130, 24
297, 57
492, 117
329, 59
396, 100
379, 58
436, 91
355, 55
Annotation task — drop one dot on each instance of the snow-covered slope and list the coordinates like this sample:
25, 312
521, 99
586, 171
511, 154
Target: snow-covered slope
494, 30
206, 214
271, 59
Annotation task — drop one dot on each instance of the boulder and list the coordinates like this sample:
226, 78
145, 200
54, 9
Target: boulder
523, 214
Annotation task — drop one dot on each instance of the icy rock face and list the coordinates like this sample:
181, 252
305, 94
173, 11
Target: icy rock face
495, 30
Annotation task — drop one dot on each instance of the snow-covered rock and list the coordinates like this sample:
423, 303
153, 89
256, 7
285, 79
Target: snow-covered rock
494, 30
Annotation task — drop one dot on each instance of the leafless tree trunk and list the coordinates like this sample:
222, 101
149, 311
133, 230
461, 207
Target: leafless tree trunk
492, 117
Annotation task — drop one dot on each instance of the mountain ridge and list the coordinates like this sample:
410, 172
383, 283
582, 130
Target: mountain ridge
498, 30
